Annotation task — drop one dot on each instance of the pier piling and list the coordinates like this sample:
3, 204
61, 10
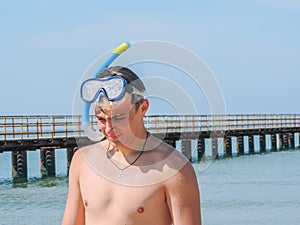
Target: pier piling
262, 143
291, 141
251, 144
273, 142
227, 146
47, 157
19, 166
214, 148
280, 141
186, 149
285, 141
240, 145
200, 148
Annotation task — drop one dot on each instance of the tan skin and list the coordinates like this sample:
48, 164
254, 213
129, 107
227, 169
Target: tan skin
96, 198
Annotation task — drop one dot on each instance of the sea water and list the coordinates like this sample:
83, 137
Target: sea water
252, 189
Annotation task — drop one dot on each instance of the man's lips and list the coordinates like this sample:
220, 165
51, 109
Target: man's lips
113, 136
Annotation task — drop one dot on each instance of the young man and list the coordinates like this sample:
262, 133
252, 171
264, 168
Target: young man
131, 177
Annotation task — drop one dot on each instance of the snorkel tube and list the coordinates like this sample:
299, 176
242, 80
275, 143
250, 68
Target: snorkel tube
86, 125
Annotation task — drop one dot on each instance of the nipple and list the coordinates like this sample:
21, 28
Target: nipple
140, 209
86, 203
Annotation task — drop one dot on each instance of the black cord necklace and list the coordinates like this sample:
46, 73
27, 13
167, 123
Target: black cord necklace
130, 164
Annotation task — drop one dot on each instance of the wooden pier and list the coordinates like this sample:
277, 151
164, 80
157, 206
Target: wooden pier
19, 134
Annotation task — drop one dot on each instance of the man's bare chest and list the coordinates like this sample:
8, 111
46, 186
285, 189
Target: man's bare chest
99, 194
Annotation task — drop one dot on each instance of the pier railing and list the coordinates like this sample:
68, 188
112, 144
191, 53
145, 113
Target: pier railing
66, 126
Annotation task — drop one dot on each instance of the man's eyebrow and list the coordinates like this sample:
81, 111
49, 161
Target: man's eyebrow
99, 110
100, 117
119, 115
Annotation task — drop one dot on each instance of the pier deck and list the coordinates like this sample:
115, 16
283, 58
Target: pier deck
19, 134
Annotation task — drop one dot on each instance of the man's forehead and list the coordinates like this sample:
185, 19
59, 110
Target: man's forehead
122, 106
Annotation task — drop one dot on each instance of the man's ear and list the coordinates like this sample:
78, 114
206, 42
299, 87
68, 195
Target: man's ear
144, 107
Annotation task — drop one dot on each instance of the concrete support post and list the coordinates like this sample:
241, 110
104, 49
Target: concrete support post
262, 143
273, 142
214, 148
285, 141
201, 148
291, 140
280, 141
240, 145
47, 157
19, 166
251, 144
186, 149
227, 147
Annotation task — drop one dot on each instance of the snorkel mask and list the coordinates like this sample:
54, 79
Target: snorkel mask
90, 96
113, 88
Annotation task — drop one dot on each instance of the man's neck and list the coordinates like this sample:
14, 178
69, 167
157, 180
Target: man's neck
136, 145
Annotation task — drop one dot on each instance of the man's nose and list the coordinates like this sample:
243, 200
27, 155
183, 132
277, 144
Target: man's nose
109, 127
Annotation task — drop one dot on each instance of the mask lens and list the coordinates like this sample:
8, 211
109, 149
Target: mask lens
113, 88
89, 90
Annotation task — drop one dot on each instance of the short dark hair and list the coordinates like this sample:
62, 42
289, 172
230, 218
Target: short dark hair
131, 78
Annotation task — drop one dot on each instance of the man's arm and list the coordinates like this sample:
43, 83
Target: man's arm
183, 197
74, 211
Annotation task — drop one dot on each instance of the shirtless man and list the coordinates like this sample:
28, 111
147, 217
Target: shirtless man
131, 177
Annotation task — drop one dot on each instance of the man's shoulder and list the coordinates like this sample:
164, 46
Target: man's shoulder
163, 151
90, 148
89, 151
164, 157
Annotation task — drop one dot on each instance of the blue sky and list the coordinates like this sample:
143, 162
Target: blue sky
252, 47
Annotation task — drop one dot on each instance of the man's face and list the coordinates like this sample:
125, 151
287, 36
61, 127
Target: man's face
118, 120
